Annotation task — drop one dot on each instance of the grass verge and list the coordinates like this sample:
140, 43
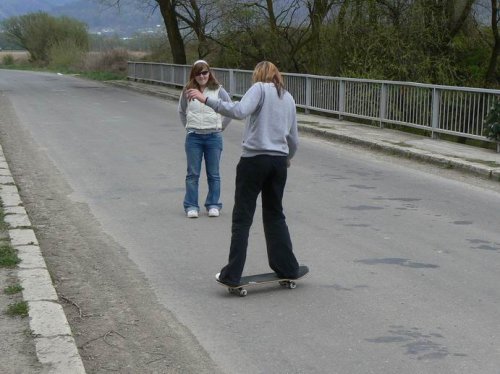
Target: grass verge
8, 256
9, 259
18, 309
13, 289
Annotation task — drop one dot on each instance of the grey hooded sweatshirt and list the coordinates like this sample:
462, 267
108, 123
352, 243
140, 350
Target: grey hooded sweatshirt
271, 122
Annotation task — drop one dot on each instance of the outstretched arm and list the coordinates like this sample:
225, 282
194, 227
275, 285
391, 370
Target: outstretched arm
224, 96
238, 110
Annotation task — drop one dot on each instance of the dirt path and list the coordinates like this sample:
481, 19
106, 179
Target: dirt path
117, 322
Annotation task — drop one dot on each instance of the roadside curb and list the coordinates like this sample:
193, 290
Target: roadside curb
54, 343
159, 90
408, 152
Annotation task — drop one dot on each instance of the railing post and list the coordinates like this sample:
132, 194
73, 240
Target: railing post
383, 104
135, 70
436, 99
308, 94
341, 98
232, 83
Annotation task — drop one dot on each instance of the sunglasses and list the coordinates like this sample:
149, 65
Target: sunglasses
205, 72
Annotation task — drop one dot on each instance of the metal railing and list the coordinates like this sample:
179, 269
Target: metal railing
438, 109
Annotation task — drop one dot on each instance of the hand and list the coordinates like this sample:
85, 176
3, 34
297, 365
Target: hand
194, 94
288, 163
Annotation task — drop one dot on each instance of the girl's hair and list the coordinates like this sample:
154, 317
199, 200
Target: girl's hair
267, 72
199, 66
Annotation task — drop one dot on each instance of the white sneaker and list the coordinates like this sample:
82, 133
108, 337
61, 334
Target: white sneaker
213, 212
192, 214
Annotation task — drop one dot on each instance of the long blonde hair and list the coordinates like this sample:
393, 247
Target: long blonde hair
267, 72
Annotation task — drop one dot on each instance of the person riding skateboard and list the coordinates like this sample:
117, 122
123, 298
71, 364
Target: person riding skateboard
270, 140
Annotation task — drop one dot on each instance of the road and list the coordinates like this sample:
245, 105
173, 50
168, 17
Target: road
404, 262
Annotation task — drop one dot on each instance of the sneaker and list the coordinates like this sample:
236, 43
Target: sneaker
302, 271
217, 278
213, 212
192, 213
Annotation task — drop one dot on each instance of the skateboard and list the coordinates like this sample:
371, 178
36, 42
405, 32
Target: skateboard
254, 280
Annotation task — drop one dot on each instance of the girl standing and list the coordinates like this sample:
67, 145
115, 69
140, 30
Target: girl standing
203, 139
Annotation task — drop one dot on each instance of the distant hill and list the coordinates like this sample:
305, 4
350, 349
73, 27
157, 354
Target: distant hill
124, 21
9, 8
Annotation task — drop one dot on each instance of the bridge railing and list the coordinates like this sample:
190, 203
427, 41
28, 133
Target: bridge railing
438, 109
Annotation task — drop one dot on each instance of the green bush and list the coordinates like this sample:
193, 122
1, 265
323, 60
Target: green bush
66, 55
112, 61
8, 60
492, 123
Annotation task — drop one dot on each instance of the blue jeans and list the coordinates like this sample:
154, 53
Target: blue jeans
198, 146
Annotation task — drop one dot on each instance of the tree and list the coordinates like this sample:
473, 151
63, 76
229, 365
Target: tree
169, 14
395, 10
168, 10
491, 73
458, 11
286, 32
418, 40
197, 18
39, 33
183, 18
318, 11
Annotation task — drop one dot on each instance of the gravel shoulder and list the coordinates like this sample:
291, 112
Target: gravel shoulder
114, 315
17, 345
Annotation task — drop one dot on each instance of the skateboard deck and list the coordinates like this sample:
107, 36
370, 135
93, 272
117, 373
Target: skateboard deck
257, 279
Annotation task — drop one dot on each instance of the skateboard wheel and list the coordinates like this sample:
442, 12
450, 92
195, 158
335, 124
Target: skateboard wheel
288, 284
243, 292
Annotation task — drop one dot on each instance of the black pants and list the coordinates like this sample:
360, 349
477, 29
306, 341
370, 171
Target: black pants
267, 175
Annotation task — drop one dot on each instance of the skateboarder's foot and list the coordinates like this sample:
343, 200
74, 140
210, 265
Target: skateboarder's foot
217, 278
303, 270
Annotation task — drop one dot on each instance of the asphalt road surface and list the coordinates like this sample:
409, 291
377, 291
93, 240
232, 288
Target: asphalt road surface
404, 262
